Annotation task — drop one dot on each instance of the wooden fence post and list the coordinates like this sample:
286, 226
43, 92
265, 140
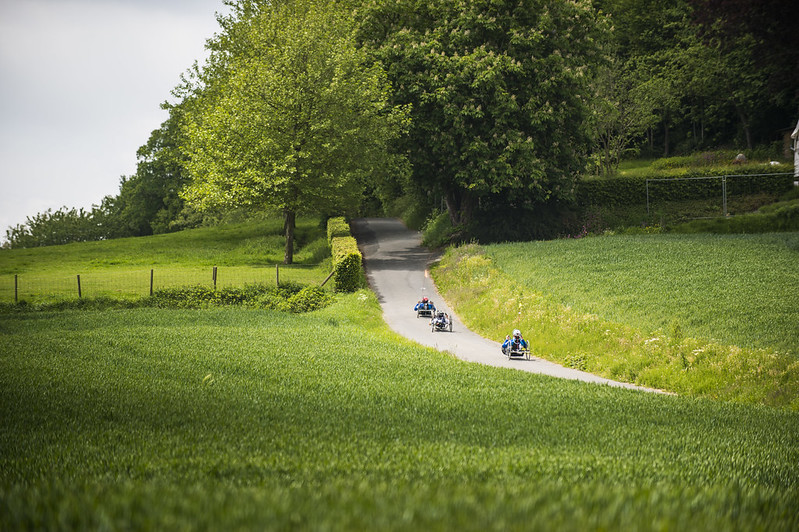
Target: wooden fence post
79, 294
151, 282
214, 278
327, 279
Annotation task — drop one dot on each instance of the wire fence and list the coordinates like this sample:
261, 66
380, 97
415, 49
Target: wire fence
728, 184
143, 282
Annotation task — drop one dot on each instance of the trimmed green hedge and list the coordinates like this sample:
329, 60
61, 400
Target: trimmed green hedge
347, 264
337, 227
619, 191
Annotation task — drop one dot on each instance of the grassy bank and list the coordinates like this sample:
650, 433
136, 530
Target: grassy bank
243, 253
245, 419
699, 315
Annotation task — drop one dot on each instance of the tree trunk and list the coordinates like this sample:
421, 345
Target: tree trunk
745, 125
289, 218
460, 206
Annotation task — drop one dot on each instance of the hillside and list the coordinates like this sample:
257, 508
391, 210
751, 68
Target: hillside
704, 315
245, 252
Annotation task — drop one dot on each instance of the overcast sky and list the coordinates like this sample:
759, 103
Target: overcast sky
81, 84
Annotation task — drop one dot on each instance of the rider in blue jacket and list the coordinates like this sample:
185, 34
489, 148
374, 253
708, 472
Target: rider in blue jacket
425, 304
515, 342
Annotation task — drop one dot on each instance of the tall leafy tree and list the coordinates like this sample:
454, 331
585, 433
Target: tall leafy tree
286, 114
626, 104
498, 91
149, 201
652, 41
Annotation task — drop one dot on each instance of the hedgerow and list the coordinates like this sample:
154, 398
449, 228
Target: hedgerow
347, 264
337, 227
617, 191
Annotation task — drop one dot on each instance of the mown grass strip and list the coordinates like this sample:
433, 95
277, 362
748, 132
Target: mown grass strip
231, 418
594, 305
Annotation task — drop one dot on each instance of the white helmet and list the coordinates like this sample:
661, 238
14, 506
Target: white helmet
517, 333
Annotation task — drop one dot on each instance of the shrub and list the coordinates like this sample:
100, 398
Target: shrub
308, 299
348, 273
197, 296
290, 297
337, 227
438, 230
271, 301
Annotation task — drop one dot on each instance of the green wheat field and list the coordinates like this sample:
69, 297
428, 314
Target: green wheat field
244, 419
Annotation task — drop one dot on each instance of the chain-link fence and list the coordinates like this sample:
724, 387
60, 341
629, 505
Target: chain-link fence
720, 187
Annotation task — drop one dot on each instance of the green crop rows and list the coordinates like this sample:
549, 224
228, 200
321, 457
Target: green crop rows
245, 419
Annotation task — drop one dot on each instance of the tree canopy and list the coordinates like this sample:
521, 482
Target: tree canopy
287, 114
301, 104
498, 90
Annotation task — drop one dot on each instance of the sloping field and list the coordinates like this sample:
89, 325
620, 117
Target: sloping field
702, 315
241, 253
738, 289
245, 419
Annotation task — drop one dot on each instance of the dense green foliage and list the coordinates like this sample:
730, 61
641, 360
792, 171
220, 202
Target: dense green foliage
509, 102
498, 91
287, 297
286, 114
662, 186
700, 315
336, 227
245, 419
758, 52
348, 273
52, 228
693, 74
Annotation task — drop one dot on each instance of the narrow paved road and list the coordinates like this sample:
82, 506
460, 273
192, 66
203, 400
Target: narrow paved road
397, 268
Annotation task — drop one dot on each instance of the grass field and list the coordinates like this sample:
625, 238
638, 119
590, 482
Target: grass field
242, 419
738, 289
706, 315
243, 253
